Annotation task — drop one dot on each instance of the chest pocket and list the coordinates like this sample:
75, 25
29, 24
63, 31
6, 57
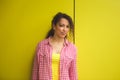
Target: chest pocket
67, 61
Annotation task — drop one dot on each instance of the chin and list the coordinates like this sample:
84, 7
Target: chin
62, 36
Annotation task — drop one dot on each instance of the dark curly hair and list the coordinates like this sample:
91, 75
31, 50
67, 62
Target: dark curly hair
56, 19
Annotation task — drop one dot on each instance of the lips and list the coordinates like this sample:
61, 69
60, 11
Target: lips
63, 33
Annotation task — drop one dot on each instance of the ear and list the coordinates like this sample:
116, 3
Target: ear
53, 27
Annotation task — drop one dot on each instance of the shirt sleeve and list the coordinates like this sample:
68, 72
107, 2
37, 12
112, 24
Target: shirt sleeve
73, 68
35, 68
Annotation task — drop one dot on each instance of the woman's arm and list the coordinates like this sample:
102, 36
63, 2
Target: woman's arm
73, 69
35, 69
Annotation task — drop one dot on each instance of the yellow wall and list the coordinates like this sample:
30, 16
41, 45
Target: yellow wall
23, 23
97, 35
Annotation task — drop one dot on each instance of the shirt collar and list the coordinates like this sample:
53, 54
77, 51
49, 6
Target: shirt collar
66, 42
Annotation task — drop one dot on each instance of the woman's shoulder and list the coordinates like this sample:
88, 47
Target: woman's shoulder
71, 44
72, 48
42, 42
41, 46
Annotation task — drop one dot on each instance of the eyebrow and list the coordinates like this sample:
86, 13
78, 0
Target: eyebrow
63, 24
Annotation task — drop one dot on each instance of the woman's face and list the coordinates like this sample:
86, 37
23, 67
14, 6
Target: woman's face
61, 28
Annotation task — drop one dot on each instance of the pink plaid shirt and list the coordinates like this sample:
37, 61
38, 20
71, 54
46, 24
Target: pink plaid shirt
42, 69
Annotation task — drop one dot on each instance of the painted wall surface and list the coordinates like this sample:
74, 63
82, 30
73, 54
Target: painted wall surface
97, 35
23, 23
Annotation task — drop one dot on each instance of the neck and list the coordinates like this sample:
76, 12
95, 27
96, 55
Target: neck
57, 39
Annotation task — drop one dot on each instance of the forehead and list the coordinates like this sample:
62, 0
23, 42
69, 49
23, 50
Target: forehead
64, 21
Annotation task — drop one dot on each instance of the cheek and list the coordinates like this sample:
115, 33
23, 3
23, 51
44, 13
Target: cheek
67, 30
59, 29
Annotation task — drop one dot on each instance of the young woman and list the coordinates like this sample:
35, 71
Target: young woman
55, 57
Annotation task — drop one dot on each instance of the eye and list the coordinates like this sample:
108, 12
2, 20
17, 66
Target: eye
68, 26
61, 25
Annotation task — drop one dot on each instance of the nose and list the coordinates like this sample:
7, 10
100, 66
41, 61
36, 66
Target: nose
65, 28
